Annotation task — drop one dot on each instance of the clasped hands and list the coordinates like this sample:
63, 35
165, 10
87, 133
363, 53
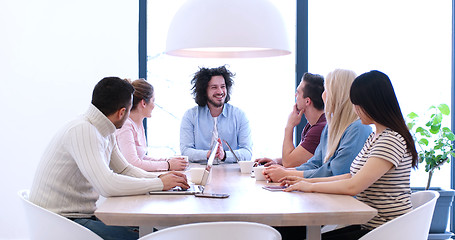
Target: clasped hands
277, 173
220, 153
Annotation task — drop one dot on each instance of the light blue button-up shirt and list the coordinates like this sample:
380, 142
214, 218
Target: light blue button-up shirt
350, 144
196, 133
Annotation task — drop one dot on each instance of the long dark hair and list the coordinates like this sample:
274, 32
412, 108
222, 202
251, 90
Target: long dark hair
201, 81
374, 93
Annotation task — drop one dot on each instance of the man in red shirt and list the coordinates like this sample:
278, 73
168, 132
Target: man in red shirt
309, 102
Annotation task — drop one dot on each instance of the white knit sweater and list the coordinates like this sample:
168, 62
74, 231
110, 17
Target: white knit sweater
83, 161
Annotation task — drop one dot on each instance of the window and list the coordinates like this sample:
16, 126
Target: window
410, 41
263, 87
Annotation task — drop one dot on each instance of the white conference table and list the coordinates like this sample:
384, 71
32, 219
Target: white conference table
248, 201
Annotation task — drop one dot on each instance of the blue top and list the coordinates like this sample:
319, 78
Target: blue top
196, 133
350, 144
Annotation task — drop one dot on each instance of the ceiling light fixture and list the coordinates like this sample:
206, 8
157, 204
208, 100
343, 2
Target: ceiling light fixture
227, 29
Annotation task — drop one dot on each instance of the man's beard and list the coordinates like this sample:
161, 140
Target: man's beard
120, 122
215, 104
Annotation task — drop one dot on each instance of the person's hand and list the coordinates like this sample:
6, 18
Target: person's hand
265, 161
302, 186
174, 179
275, 173
290, 180
177, 163
295, 117
220, 150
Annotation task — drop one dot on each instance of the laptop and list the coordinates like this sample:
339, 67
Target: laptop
194, 189
232, 151
203, 162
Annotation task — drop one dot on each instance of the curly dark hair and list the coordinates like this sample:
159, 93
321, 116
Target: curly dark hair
201, 81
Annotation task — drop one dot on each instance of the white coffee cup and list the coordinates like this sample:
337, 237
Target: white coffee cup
258, 173
246, 166
181, 156
195, 175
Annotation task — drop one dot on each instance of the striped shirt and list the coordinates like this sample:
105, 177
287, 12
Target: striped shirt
390, 194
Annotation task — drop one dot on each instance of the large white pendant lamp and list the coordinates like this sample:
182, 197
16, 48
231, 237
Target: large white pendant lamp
227, 29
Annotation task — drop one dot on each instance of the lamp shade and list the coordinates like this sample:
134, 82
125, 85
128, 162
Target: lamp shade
227, 29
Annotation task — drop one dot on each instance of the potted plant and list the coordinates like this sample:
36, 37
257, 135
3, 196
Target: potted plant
434, 144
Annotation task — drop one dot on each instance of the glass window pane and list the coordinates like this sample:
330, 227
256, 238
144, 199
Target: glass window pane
263, 87
408, 40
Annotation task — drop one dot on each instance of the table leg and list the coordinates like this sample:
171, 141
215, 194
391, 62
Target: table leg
313, 233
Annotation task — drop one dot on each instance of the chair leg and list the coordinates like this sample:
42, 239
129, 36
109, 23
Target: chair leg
313, 233
144, 230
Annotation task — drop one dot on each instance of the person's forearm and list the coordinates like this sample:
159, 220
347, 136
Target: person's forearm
328, 179
244, 154
195, 154
293, 172
288, 143
133, 171
341, 186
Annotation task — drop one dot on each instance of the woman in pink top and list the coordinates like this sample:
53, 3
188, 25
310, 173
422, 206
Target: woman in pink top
131, 137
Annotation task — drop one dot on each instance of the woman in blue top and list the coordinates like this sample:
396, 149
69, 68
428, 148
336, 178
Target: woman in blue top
380, 174
341, 139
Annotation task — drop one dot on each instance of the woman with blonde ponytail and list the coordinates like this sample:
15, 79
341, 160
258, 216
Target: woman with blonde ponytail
339, 111
342, 138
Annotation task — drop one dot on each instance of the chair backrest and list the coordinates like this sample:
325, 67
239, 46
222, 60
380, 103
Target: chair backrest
216, 230
412, 225
44, 224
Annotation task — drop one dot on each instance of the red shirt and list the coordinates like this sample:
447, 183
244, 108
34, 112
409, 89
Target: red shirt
312, 134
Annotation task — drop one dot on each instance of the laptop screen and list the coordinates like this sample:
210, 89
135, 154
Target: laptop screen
208, 168
232, 151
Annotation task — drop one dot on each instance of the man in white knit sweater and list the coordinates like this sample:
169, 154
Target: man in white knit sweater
83, 161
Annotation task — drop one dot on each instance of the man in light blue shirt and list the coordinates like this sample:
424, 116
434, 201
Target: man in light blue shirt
214, 119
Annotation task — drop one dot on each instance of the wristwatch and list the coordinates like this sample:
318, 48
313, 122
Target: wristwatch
224, 156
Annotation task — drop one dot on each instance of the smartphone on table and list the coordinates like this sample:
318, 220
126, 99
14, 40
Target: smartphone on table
212, 195
274, 188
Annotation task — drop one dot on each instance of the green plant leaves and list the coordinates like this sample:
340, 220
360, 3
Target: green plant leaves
412, 115
434, 140
444, 109
423, 132
423, 141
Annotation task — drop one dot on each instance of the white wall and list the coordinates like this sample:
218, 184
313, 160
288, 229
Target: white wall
52, 53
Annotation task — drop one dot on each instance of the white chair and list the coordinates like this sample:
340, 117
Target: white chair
46, 225
216, 230
413, 225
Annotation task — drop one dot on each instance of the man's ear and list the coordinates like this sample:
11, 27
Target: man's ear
307, 101
121, 112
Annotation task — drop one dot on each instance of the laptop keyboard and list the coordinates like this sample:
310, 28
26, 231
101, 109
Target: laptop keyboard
179, 189
192, 187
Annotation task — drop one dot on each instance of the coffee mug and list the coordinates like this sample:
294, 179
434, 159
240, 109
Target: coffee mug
246, 166
195, 175
258, 173
181, 156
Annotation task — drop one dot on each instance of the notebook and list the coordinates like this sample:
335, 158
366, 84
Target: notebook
193, 187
